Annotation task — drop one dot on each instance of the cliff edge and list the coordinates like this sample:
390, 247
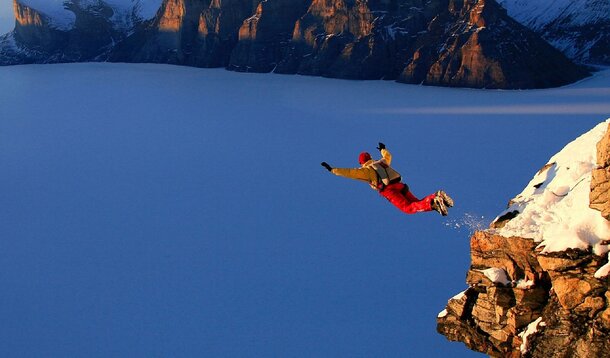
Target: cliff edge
538, 280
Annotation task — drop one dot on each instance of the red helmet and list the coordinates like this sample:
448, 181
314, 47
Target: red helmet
364, 157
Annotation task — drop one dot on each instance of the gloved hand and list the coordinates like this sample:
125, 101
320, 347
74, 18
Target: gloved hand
381, 146
325, 165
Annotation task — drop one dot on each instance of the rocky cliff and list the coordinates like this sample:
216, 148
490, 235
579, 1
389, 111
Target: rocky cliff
538, 280
579, 28
69, 31
469, 43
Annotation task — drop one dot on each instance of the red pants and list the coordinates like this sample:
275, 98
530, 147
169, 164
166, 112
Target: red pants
399, 195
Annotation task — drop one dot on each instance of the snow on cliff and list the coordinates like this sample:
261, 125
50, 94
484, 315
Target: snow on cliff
554, 207
539, 13
569, 25
59, 17
62, 18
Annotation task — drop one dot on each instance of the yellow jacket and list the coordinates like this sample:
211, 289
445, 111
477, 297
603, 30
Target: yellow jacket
365, 173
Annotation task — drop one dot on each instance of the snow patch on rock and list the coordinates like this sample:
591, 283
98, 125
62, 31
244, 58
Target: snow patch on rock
531, 329
604, 270
538, 13
125, 12
496, 275
57, 14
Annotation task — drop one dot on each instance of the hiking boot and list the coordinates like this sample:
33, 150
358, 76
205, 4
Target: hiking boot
446, 198
438, 205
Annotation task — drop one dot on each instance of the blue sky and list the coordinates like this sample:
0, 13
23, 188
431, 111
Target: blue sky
7, 20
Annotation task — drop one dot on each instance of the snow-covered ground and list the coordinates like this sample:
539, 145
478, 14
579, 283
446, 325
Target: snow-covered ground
554, 206
154, 210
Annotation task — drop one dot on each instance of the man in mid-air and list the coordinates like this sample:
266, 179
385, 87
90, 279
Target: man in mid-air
388, 182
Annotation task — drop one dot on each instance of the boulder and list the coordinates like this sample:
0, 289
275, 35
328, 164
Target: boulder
600, 181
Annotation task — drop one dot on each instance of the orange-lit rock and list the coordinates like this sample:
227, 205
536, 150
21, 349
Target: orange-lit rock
600, 182
248, 29
26, 16
172, 16
264, 37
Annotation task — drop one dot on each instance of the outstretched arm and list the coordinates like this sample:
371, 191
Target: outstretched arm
385, 154
364, 174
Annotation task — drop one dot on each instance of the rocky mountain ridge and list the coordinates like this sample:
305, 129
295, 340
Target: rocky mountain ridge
466, 43
529, 298
579, 28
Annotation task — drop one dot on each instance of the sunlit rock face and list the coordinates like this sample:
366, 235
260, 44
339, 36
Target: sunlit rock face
469, 43
265, 37
169, 38
33, 27
474, 49
69, 31
600, 182
188, 32
26, 16
219, 26
172, 17
525, 301
339, 39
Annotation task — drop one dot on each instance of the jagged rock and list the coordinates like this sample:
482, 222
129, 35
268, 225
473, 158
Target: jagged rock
579, 28
264, 38
569, 334
600, 181
450, 43
337, 39
177, 35
85, 31
561, 289
33, 27
472, 48
488, 250
503, 219
495, 313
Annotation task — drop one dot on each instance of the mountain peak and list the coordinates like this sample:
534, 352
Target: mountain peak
579, 28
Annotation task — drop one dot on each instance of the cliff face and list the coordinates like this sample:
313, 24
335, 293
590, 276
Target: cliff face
75, 31
579, 28
526, 300
188, 32
469, 43
265, 37
34, 28
600, 182
168, 39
